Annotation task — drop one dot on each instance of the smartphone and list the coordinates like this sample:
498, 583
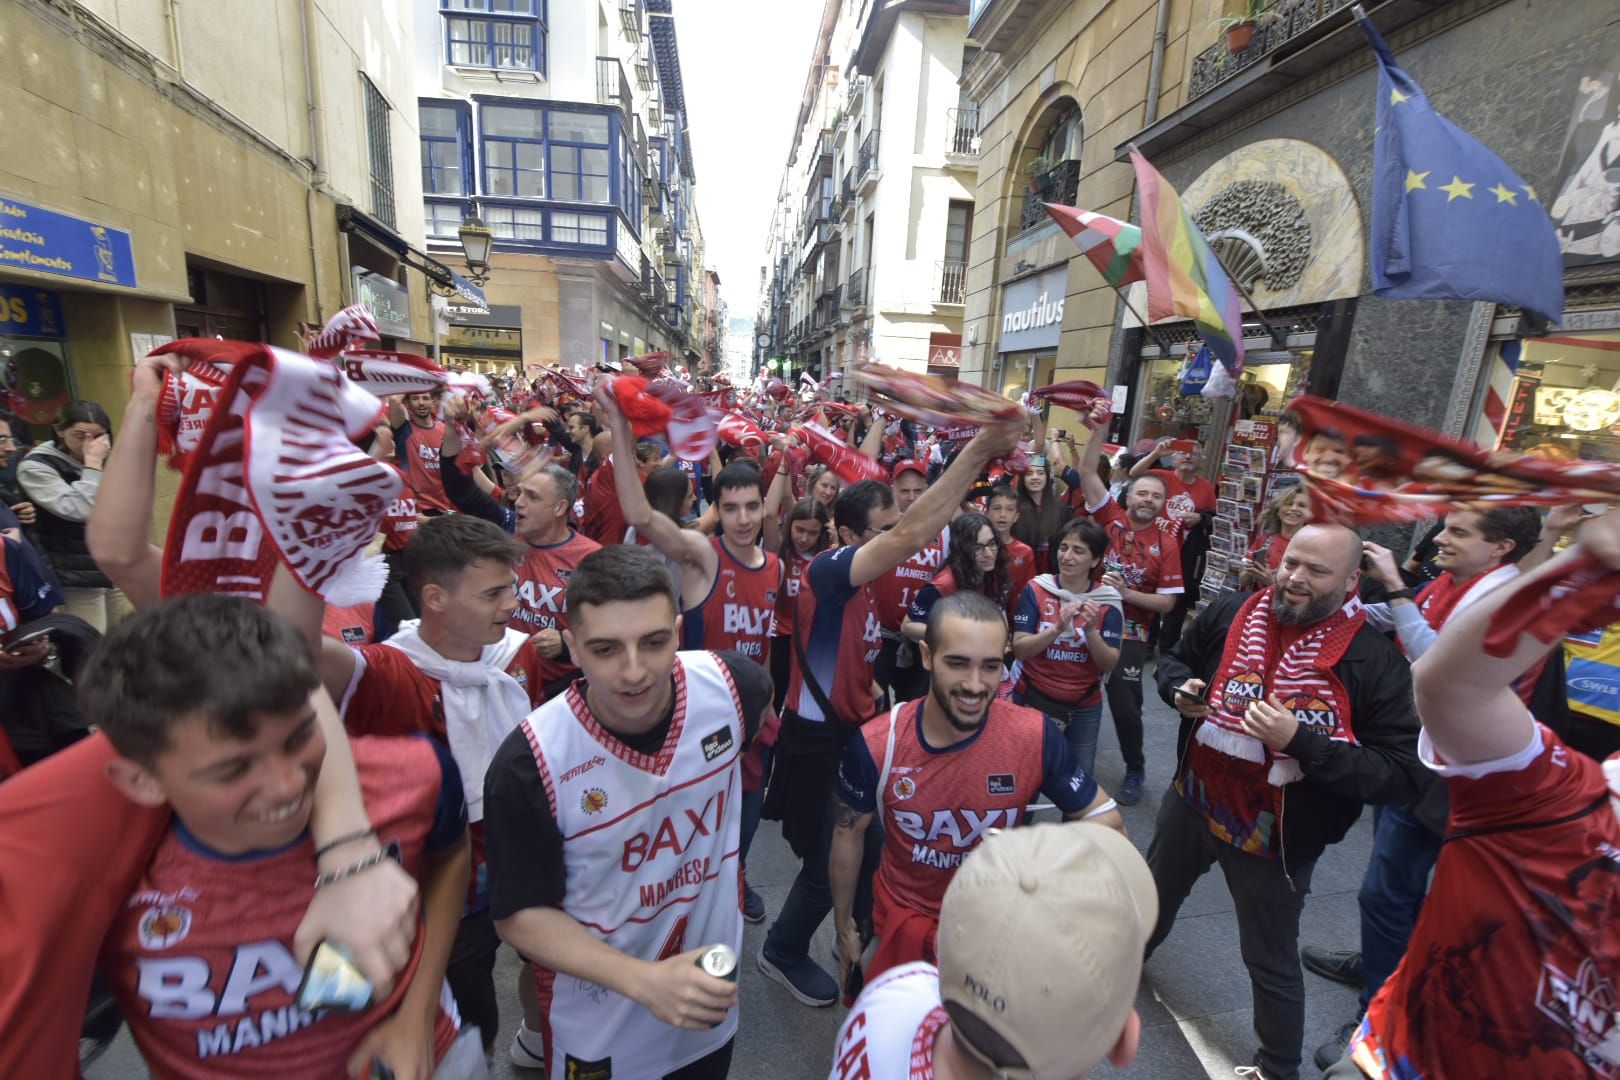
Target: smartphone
332, 981
18, 638
1202, 697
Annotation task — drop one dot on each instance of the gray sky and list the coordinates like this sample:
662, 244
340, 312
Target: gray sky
743, 63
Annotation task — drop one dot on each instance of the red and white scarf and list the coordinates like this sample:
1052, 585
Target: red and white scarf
348, 328
385, 372
1255, 667
276, 477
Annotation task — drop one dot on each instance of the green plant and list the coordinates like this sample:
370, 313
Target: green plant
1040, 166
1248, 11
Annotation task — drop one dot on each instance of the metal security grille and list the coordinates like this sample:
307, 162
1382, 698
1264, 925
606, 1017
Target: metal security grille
381, 153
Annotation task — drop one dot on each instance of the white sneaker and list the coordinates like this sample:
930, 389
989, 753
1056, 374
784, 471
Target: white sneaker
522, 1055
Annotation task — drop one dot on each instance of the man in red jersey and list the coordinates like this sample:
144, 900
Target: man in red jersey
1513, 962
418, 434
940, 772
601, 519
1030, 909
211, 703
545, 499
1143, 563
830, 692
1190, 504
897, 665
728, 584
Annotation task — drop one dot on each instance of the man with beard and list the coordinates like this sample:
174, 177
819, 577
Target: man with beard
418, 435
1143, 563
1308, 716
941, 772
1191, 505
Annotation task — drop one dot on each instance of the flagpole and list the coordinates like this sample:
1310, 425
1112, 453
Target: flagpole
1279, 340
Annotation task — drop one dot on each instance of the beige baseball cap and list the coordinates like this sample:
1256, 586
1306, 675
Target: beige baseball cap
1041, 935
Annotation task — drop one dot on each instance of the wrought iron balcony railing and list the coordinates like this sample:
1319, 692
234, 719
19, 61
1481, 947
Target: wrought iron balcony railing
1057, 185
1280, 21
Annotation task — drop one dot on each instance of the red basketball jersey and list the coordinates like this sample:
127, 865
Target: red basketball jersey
894, 592
739, 613
201, 957
420, 451
792, 577
542, 594
937, 805
399, 519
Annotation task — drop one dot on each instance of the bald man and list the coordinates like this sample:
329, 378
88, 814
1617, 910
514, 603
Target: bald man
1295, 714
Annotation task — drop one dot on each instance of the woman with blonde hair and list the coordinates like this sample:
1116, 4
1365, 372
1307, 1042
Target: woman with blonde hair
1288, 511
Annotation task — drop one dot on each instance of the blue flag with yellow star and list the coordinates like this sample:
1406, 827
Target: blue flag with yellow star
1449, 219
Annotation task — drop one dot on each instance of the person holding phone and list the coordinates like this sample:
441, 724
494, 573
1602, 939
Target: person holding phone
1287, 513
212, 705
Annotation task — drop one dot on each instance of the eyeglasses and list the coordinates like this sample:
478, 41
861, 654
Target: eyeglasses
988, 545
8, 440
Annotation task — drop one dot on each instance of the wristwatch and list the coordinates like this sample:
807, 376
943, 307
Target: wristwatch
1398, 594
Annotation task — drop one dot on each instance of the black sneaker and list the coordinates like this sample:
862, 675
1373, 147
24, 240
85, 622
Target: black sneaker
1342, 966
1130, 790
1331, 1052
805, 980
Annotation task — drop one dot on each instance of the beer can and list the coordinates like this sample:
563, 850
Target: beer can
719, 961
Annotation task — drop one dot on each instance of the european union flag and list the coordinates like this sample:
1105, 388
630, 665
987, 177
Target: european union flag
1449, 219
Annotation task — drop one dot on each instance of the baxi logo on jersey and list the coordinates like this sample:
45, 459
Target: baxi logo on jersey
427, 455
593, 801
961, 829
675, 834
163, 926
540, 603
744, 622
181, 988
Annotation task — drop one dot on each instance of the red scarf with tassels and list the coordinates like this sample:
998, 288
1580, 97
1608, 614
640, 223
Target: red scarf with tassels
1233, 779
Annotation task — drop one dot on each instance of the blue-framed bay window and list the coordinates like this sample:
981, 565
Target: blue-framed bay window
555, 175
447, 180
503, 34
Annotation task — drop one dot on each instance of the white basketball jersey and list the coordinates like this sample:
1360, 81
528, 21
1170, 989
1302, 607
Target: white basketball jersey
890, 1033
650, 846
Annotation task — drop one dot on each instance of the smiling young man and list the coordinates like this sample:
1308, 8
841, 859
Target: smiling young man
1308, 717
940, 772
613, 818
211, 704
1143, 563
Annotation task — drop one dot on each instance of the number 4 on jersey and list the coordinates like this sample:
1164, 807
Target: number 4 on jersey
675, 944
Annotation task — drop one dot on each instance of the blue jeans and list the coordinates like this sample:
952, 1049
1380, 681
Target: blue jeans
1080, 731
1392, 892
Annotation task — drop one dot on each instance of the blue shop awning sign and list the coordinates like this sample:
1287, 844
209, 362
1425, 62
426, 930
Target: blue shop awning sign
467, 290
33, 238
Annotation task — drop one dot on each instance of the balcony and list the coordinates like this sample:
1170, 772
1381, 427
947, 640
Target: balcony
644, 72
855, 290
846, 194
612, 88
1280, 22
951, 275
1057, 185
866, 165
962, 129
630, 20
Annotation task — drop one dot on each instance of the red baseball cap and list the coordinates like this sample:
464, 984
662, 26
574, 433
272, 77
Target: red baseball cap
909, 465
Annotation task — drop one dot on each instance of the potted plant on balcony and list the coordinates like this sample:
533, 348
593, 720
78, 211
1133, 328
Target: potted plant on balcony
1040, 166
1239, 26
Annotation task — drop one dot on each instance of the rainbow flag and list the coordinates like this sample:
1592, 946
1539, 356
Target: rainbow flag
1113, 246
1183, 276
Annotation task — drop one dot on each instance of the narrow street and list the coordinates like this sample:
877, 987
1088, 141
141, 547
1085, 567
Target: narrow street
1194, 1000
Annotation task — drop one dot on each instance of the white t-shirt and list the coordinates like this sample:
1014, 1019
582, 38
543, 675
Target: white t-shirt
890, 1033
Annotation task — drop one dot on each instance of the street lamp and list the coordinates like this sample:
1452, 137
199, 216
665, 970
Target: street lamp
476, 241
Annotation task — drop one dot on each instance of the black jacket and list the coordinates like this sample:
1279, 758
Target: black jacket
1339, 777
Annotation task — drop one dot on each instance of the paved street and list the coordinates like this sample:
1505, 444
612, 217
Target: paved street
1194, 999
